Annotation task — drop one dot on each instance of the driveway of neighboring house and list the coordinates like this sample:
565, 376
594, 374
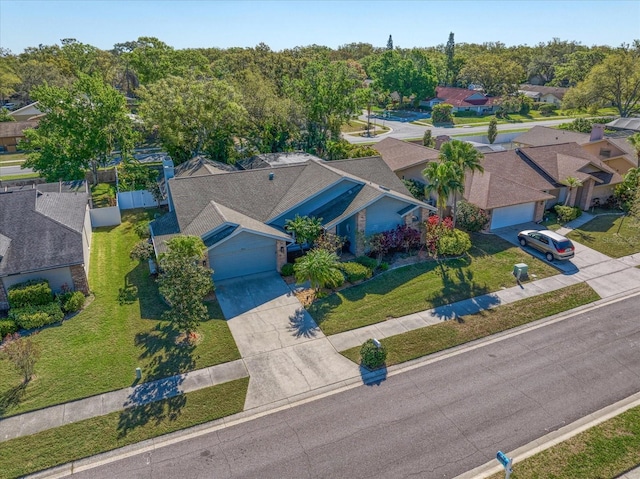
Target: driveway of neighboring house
285, 352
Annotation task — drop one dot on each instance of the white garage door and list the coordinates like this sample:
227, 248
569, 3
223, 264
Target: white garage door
241, 255
512, 215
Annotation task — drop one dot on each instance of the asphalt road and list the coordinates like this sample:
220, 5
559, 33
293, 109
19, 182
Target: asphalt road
14, 170
404, 131
435, 421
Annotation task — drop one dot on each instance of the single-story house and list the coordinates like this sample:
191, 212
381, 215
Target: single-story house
518, 185
631, 124
27, 112
462, 99
616, 153
12, 132
45, 232
407, 160
543, 94
241, 215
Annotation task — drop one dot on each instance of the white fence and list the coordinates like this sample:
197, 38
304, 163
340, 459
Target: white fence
128, 200
109, 216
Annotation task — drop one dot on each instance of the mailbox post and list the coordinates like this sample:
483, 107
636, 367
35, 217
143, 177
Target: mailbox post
506, 463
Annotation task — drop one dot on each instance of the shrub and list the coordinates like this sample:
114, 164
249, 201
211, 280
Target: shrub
287, 269
415, 187
355, 271
30, 317
547, 109
142, 229
567, 213
371, 355
142, 251
71, 301
370, 263
30, 293
471, 218
454, 243
383, 266
7, 326
442, 113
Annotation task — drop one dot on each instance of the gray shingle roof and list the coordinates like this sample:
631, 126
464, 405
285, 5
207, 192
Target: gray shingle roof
542, 135
65, 208
399, 155
201, 166
39, 241
373, 169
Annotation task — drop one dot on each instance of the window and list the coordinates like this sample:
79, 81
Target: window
605, 153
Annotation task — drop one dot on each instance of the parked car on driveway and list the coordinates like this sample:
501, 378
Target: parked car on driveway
553, 245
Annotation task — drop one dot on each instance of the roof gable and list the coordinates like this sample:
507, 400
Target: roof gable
399, 155
543, 135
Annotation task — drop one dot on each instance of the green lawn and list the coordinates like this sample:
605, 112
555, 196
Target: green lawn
607, 450
487, 268
68, 443
20, 176
602, 234
99, 349
12, 158
431, 339
103, 195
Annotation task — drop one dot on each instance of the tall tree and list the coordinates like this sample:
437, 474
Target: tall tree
184, 282
194, 116
497, 75
304, 228
390, 43
615, 81
450, 51
492, 133
83, 125
411, 74
328, 94
9, 80
464, 157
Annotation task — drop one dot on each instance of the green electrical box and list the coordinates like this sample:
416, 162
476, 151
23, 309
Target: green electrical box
521, 271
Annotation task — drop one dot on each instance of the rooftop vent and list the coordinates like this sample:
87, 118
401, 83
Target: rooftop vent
271, 176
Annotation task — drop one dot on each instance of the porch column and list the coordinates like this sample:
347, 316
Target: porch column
361, 224
281, 254
587, 194
539, 211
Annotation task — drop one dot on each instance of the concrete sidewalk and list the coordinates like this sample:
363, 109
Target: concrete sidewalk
608, 278
102, 404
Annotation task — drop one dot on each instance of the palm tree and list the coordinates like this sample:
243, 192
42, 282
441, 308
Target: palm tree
464, 157
570, 182
442, 179
320, 267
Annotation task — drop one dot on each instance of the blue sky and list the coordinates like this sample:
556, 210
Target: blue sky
286, 24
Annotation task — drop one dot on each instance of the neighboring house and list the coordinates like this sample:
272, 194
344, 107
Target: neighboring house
462, 100
616, 153
241, 215
543, 94
28, 112
45, 232
12, 132
267, 160
406, 160
518, 185
631, 124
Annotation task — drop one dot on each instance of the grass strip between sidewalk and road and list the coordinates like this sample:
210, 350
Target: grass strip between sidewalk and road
606, 450
431, 339
75, 441
22, 176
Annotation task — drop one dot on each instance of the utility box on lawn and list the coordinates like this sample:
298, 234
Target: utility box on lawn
521, 271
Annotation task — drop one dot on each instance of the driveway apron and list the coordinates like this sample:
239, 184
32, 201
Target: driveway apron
285, 352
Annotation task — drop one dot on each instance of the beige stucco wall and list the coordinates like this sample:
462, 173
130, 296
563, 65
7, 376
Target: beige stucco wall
413, 173
56, 277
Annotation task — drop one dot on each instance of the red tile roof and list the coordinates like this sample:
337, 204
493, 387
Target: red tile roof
458, 97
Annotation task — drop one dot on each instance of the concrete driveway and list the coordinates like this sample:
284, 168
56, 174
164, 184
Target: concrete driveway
584, 256
285, 352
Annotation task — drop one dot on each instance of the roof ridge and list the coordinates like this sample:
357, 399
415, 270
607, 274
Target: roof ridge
35, 210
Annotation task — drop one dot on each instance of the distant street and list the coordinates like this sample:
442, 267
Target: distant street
435, 421
14, 170
404, 131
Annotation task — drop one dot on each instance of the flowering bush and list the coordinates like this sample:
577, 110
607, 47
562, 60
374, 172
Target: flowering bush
402, 237
442, 238
470, 217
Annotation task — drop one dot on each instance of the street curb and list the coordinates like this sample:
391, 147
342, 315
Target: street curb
148, 446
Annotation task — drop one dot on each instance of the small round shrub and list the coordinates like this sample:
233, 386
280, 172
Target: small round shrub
142, 251
454, 243
383, 266
567, 213
7, 327
287, 269
470, 217
142, 229
370, 263
355, 271
72, 302
371, 355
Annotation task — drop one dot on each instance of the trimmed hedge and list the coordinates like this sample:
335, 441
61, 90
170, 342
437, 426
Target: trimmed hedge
370, 263
31, 317
71, 301
31, 293
7, 327
354, 272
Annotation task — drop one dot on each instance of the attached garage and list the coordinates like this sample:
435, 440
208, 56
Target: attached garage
512, 215
245, 253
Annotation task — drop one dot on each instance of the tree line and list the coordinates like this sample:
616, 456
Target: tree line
231, 103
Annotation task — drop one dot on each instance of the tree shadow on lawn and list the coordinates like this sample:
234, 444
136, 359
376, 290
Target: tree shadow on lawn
139, 283
11, 397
